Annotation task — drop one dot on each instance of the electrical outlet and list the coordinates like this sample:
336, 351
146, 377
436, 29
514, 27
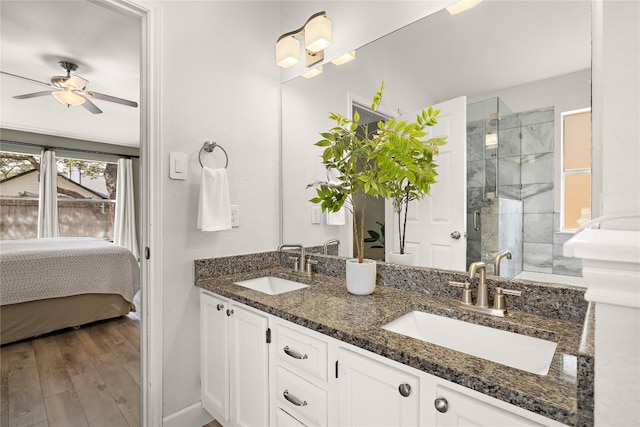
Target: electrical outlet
235, 215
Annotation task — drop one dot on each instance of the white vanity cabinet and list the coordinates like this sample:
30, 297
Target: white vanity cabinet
234, 362
300, 387
371, 392
305, 378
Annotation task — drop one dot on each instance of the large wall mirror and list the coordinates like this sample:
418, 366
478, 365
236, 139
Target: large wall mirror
524, 70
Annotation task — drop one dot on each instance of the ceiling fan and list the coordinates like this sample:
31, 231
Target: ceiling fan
70, 90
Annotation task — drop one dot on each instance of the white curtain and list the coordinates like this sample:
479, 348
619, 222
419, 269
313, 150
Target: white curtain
48, 206
124, 232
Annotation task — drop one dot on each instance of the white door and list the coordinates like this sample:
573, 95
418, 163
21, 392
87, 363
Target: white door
249, 362
214, 357
371, 393
436, 225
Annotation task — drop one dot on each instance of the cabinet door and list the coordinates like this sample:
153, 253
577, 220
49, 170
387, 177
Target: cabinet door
249, 362
369, 393
214, 359
464, 410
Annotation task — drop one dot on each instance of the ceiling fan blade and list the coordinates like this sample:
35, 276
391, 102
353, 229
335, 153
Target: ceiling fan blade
33, 95
25, 78
110, 98
91, 106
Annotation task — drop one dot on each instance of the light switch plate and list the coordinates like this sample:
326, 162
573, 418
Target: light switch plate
315, 215
178, 166
235, 215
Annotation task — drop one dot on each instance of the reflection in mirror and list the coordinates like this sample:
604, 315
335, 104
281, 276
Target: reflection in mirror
521, 65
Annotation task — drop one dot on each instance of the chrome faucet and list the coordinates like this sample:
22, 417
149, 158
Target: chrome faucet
329, 242
505, 253
301, 263
483, 291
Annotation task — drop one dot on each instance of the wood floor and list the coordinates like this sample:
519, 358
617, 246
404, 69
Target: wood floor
84, 377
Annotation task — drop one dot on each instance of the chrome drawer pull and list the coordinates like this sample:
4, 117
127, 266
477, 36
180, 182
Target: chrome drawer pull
294, 399
294, 353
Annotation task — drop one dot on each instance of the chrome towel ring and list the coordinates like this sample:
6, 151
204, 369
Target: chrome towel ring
208, 147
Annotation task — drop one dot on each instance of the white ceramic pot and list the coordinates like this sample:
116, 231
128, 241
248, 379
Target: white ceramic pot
361, 277
403, 259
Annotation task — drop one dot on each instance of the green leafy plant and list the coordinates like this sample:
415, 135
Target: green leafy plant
375, 236
374, 162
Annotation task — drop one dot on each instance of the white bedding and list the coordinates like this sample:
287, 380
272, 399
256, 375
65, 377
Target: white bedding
33, 269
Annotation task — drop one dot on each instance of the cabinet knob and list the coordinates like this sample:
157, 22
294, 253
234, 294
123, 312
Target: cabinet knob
294, 399
220, 307
229, 312
404, 389
441, 404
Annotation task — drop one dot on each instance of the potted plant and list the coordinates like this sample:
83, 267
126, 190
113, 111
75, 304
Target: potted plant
372, 162
416, 188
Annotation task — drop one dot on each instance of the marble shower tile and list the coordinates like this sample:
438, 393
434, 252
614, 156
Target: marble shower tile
565, 266
475, 173
509, 191
538, 228
475, 146
510, 121
539, 203
509, 142
490, 172
540, 115
537, 257
474, 199
537, 168
530, 190
537, 138
509, 171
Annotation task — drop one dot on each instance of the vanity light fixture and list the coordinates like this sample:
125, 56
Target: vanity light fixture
313, 72
68, 97
462, 6
343, 59
317, 32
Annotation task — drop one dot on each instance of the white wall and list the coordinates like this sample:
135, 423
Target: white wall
620, 106
219, 82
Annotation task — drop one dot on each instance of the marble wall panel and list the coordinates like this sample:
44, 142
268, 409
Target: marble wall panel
537, 168
540, 115
537, 138
538, 227
537, 257
509, 171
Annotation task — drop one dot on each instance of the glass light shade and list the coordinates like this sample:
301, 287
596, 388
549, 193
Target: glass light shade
317, 34
313, 72
287, 52
343, 59
67, 97
461, 6
75, 82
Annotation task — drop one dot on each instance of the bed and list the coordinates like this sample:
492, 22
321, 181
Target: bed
55, 283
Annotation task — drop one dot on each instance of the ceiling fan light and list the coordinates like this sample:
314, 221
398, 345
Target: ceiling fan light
68, 97
287, 52
317, 34
76, 83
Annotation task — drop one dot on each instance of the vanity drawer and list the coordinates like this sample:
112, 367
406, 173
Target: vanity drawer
284, 419
303, 400
302, 352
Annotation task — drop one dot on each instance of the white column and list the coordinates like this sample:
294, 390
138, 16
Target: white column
611, 269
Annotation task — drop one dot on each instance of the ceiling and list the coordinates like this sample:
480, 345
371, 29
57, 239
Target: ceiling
105, 44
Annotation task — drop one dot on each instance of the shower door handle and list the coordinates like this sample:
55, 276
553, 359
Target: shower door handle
476, 221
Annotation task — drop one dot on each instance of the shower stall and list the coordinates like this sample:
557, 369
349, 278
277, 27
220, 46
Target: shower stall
494, 203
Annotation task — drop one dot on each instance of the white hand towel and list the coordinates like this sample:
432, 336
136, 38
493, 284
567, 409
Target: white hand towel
214, 210
336, 218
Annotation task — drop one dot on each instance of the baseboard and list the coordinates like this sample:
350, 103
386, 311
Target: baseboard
191, 416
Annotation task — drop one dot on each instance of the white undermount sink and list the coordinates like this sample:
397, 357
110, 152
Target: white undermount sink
271, 285
507, 348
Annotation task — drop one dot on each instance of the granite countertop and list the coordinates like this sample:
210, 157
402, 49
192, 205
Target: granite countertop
328, 308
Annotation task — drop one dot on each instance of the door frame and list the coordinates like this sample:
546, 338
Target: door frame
151, 206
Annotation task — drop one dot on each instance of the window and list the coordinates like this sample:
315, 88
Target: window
86, 197
576, 169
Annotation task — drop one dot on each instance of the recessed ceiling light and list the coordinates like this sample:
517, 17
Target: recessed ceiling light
462, 6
